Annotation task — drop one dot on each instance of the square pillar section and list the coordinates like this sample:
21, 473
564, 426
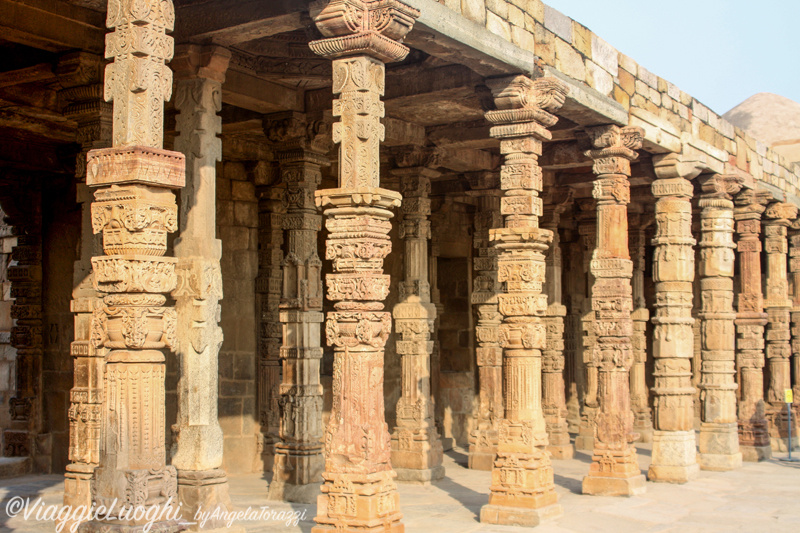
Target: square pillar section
135, 209
359, 493
615, 469
522, 490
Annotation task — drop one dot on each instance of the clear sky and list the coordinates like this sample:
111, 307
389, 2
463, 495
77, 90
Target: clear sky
719, 51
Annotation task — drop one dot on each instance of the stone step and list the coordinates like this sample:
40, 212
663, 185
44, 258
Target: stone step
14, 466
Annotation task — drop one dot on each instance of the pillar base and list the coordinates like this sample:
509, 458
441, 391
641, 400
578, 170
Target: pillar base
645, 434
781, 444
674, 457
718, 445
561, 451
614, 486
717, 462
755, 454
203, 491
296, 473
584, 443
290, 492
358, 503
519, 516
482, 449
413, 476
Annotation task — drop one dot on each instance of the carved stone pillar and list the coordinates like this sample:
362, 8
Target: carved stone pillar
416, 446
573, 332
489, 354
614, 470
674, 448
80, 75
522, 490
640, 394
197, 452
359, 492
135, 209
587, 229
554, 404
750, 321
301, 151
719, 436
269, 287
794, 272
778, 304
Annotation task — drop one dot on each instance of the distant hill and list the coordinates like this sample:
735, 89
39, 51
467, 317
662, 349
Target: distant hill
772, 119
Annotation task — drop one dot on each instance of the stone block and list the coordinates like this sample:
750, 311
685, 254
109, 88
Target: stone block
522, 38
545, 44
498, 7
558, 23
612, 486
498, 26
582, 39
518, 516
569, 61
648, 77
234, 170
455, 5
245, 213
605, 55
223, 188
516, 16
225, 213
628, 64
621, 97
243, 190
627, 82
599, 79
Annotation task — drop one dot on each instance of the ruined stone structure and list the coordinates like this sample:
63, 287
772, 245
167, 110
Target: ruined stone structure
327, 241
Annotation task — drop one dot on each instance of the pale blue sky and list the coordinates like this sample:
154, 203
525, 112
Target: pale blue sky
719, 51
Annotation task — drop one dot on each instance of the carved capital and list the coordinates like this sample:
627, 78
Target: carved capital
292, 133
194, 61
751, 204
613, 148
677, 166
780, 213
524, 106
720, 186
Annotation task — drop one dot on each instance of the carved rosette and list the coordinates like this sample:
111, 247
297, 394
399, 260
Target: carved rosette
135, 210
750, 321
719, 439
489, 354
522, 476
358, 486
614, 470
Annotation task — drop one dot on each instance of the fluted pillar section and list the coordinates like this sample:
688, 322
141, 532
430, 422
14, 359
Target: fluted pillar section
301, 147
522, 490
779, 216
359, 492
554, 404
416, 446
640, 394
719, 435
81, 76
614, 470
587, 229
197, 452
135, 209
489, 354
674, 447
750, 321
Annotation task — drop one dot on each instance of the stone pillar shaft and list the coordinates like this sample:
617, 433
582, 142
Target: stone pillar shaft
489, 354
719, 436
301, 151
197, 452
587, 229
358, 492
794, 276
778, 305
416, 447
522, 490
674, 447
750, 321
614, 470
640, 394
135, 209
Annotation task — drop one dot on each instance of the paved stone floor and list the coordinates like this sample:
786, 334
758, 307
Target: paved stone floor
763, 497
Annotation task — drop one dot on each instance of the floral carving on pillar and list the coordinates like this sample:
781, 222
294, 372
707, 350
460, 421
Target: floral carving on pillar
614, 470
554, 404
358, 491
674, 447
778, 304
719, 435
301, 146
489, 354
522, 490
135, 209
750, 321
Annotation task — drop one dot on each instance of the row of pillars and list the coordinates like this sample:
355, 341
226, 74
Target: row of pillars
124, 322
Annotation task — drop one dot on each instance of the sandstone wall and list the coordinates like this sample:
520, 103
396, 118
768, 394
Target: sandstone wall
651, 101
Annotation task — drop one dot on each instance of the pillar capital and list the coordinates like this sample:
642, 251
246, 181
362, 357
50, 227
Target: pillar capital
613, 148
718, 186
362, 27
751, 204
675, 165
196, 61
780, 214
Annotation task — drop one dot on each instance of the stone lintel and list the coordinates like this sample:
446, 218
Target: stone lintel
586, 106
196, 61
659, 135
139, 165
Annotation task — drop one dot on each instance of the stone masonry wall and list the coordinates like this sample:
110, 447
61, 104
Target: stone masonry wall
651, 101
237, 223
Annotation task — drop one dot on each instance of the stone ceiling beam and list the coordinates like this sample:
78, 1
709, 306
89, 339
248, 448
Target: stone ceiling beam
473, 135
238, 22
586, 106
53, 26
563, 155
36, 121
35, 73
257, 94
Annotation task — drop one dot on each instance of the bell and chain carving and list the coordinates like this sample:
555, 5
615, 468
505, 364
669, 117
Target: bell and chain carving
522, 489
358, 492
